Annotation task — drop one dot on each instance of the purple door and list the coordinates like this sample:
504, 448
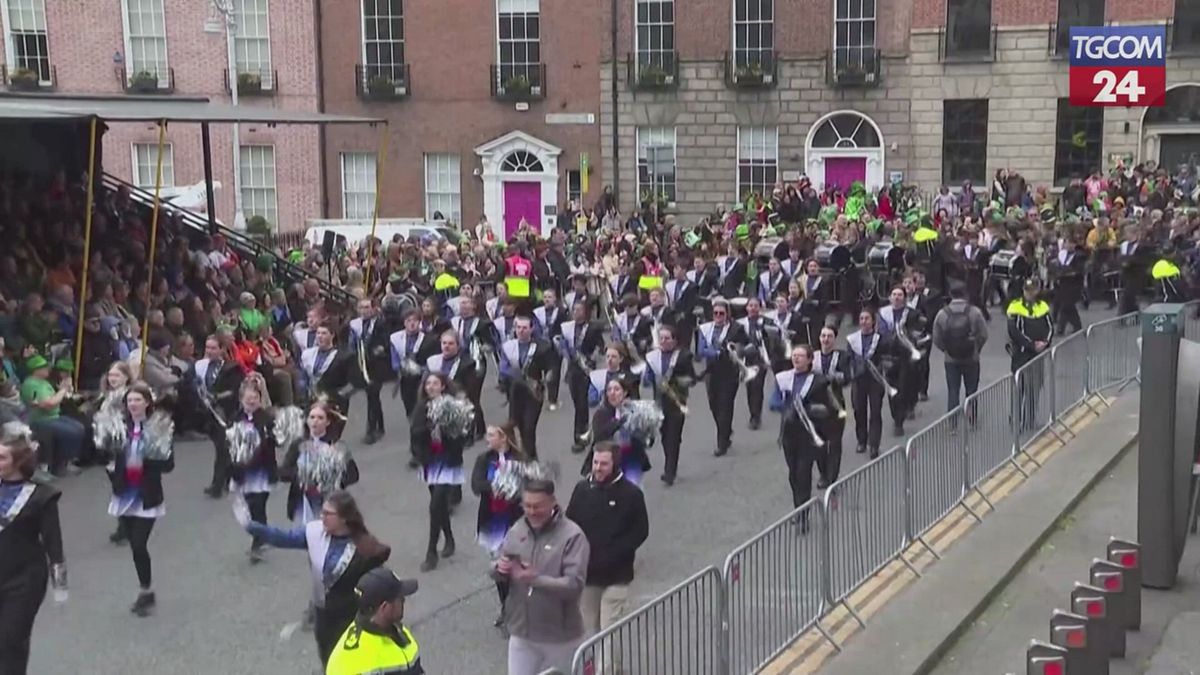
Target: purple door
842, 171
522, 200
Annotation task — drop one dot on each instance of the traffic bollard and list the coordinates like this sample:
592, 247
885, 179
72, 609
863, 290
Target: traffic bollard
1127, 554
1123, 597
1046, 659
1092, 602
1070, 631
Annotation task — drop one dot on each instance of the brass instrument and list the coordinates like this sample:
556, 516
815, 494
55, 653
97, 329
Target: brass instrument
533, 384
210, 404
873, 370
805, 420
746, 372
914, 354
670, 393
362, 360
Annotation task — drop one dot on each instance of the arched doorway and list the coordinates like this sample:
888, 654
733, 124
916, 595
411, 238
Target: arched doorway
520, 182
843, 147
1171, 133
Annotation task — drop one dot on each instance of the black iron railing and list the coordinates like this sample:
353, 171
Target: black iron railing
751, 69
968, 44
653, 71
382, 82
253, 82
849, 67
146, 81
519, 82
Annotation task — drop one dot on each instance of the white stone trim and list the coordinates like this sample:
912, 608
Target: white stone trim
1149, 146
491, 156
814, 158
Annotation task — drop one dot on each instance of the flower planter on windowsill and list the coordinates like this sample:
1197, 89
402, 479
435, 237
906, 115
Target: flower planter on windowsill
653, 77
23, 79
143, 83
249, 84
752, 76
384, 89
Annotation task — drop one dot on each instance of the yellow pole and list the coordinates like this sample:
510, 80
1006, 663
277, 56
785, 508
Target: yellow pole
162, 138
381, 160
87, 249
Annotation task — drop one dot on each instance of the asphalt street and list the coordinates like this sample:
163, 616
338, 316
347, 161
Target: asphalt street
218, 613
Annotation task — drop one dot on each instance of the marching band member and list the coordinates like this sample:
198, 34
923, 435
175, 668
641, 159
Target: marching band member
577, 343
135, 471
438, 438
870, 385
631, 327
524, 362
304, 335
803, 399
497, 511
410, 347
816, 297
757, 353
318, 464
705, 274
897, 323
108, 422
972, 257
546, 327
251, 441
217, 382
1068, 285
450, 361
656, 312
494, 305
579, 292
715, 340
616, 367
669, 373
31, 538
624, 284
475, 336
324, 369
731, 271
683, 296
771, 281
832, 364
432, 321
1135, 256
611, 423
373, 362
794, 265
927, 303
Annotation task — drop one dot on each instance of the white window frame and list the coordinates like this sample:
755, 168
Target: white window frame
259, 197
359, 179
862, 48
666, 57
395, 69
163, 70
530, 69
657, 136
243, 44
764, 139
746, 50
452, 173
151, 164
38, 9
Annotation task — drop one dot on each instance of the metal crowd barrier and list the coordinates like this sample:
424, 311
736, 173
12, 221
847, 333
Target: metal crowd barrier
780, 584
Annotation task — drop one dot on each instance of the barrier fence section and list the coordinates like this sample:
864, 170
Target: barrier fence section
1191, 320
680, 631
775, 588
780, 584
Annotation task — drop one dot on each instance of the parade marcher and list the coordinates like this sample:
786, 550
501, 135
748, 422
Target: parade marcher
814, 309
475, 336
318, 465
135, 470
498, 510
897, 324
731, 269
960, 331
31, 538
325, 369
926, 302
109, 418
217, 379
544, 558
669, 373
438, 439
1068, 286
369, 340
340, 551
611, 423
251, 440
870, 385
771, 282
632, 328
410, 348
717, 342
1135, 257
1030, 332
611, 511
973, 260
761, 335
547, 328
524, 364
616, 367
832, 364
682, 297
377, 641
578, 341
803, 399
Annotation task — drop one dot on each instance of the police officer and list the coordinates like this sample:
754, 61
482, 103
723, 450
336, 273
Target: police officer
377, 641
1169, 285
1030, 331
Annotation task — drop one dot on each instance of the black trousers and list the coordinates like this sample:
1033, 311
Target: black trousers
257, 503
671, 432
722, 391
20, 599
1066, 314
137, 531
439, 516
904, 380
577, 386
754, 393
525, 411
475, 395
830, 464
327, 629
800, 460
866, 396
553, 378
410, 386
374, 407
220, 474
921, 375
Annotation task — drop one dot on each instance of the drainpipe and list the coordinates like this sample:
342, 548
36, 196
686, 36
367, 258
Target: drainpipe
322, 162
616, 152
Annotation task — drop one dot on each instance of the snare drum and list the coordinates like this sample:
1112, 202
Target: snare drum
1000, 265
771, 248
832, 256
885, 257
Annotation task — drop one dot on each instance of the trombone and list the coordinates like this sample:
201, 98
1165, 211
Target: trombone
362, 361
873, 370
671, 394
914, 354
746, 372
806, 421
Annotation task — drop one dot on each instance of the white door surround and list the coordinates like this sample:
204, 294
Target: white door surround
495, 170
845, 133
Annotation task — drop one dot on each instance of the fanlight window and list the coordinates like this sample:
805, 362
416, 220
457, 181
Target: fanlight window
521, 161
846, 131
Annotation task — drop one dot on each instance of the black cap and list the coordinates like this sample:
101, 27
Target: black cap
1032, 285
381, 585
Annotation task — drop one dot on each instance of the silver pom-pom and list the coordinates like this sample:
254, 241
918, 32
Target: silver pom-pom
451, 417
642, 418
322, 466
511, 477
108, 424
243, 440
159, 436
289, 426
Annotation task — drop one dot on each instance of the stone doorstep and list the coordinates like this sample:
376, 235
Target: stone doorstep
812, 651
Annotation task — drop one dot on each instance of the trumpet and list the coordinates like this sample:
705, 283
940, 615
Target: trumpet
746, 372
874, 372
806, 421
914, 354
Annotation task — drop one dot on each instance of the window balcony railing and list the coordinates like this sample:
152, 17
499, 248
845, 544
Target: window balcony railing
253, 82
146, 81
389, 82
28, 79
751, 69
974, 44
660, 73
851, 67
520, 83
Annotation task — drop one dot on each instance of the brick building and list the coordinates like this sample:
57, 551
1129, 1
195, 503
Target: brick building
126, 47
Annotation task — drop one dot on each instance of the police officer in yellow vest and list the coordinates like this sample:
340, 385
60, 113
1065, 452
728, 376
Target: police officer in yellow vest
377, 642
1030, 328
1168, 280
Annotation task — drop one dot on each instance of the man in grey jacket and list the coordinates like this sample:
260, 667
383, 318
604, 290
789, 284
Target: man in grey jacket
960, 332
545, 558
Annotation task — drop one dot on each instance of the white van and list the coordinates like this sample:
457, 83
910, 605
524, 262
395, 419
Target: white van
357, 230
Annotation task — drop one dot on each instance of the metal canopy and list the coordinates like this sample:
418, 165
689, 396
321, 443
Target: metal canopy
154, 108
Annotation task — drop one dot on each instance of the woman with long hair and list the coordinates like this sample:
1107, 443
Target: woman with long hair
611, 423
498, 509
108, 422
318, 464
616, 367
438, 441
31, 539
252, 465
135, 471
340, 550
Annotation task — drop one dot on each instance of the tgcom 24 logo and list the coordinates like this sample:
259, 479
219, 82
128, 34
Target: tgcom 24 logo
1118, 65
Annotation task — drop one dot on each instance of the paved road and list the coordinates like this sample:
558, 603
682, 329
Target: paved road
217, 613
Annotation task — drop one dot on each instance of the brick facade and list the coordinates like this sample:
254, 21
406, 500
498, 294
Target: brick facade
90, 65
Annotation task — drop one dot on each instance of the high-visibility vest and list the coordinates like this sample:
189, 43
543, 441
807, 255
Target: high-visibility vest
1164, 269
359, 652
924, 235
651, 277
445, 282
518, 272
1017, 308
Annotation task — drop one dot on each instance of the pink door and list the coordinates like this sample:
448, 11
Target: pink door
842, 171
522, 200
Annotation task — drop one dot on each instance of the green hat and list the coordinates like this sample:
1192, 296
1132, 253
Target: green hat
36, 361
742, 231
66, 365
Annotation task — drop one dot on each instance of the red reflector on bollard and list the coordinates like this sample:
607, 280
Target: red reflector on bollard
1076, 639
1112, 583
1129, 559
1094, 608
1055, 668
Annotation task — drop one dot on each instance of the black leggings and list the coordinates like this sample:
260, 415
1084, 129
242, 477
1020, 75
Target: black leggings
20, 599
439, 515
257, 503
502, 592
137, 530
